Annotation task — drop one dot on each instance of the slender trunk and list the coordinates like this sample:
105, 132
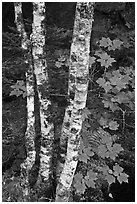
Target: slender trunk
40, 69
30, 131
20, 25
79, 80
68, 111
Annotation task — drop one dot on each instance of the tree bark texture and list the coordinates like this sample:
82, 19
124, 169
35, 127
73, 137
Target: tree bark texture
26, 166
78, 84
67, 116
20, 25
40, 70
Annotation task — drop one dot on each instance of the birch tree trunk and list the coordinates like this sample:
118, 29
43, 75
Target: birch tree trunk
40, 69
78, 84
30, 131
68, 111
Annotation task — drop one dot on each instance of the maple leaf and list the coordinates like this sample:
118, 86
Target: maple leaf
116, 73
120, 85
102, 150
115, 80
104, 84
88, 151
117, 169
111, 105
80, 187
123, 178
106, 140
78, 177
117, 148
113, 125
105, 170
105, 42
90, 183
16, 92
83, 157
106, 60
19, 89
110, 179
108, 75
107, 87
126, 79
91, 175
115, 45
101, 81
111, 154
121, 98
103, 122
23, 88
92, 60
19, 84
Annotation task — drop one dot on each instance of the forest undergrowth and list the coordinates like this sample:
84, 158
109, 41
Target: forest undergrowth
105, 170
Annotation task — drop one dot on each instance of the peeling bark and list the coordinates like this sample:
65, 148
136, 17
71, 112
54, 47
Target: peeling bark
40, 70
78, 85
26, 166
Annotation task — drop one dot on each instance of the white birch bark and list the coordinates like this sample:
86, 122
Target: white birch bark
79, 81
40, 69
68, 111
30, 131
20, 25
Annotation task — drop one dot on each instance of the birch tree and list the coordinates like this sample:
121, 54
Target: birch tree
71, 93
26, 166
37, 69
78, 88
40, 70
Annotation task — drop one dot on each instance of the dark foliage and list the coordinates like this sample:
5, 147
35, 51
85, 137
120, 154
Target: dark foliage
112, 21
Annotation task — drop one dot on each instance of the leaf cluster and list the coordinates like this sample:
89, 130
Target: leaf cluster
116, 95
19, 89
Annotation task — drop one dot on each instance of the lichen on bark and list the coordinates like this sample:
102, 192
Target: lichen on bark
26, 166
40, 70
78, 83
